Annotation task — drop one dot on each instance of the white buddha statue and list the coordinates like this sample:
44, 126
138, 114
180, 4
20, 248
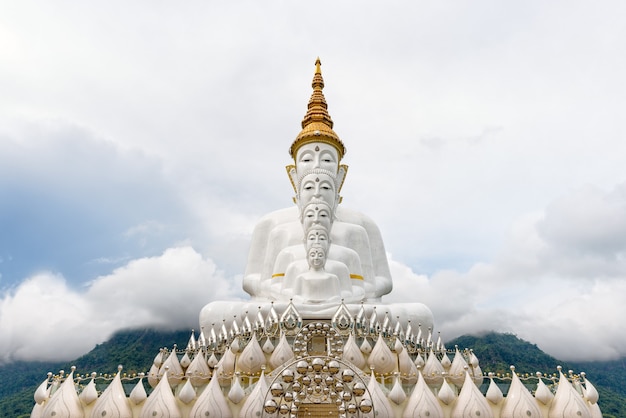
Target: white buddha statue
316, 197
316, 285
345, 265
317, 152
279, 261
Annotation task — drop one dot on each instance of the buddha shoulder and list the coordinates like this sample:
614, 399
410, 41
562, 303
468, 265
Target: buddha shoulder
277, 217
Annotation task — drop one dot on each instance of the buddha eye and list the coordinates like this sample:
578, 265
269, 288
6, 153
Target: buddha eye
327, 158
306, 157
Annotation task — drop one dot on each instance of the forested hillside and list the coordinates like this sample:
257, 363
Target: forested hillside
134, 349
497, 352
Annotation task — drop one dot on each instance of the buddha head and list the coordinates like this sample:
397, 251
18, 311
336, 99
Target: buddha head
317, 235
335, 178
316, 155
316, 257
316, 214
317, 186
317, 146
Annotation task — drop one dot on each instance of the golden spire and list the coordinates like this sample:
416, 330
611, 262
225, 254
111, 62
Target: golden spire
317, 126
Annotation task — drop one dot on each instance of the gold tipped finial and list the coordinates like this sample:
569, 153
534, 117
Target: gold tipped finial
317, 126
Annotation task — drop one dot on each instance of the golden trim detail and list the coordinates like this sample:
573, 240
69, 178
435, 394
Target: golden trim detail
317, 125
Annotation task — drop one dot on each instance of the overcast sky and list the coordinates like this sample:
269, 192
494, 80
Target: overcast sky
140, 142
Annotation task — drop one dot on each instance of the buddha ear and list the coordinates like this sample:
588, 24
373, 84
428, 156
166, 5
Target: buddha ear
342, 172
293, 176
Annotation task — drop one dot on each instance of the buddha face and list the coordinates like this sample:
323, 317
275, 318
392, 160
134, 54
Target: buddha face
317, 235
317, 187
317, 214
317, 155
316, 257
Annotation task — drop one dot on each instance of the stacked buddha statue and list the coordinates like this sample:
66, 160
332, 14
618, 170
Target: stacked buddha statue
281, 266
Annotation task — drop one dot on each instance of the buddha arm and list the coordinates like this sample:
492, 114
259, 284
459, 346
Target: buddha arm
380, 265
379, 258
259, 245
256, 256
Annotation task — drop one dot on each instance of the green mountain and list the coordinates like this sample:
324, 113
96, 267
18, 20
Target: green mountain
18, 382
497, 352
135, 349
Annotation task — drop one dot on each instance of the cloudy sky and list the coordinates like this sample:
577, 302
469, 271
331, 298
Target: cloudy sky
140, 142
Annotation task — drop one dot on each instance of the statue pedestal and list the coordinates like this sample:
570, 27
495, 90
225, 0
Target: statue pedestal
216, 313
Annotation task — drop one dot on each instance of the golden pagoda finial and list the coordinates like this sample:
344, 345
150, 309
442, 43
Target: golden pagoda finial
317, 126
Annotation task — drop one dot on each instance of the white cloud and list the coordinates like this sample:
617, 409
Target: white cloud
588, 221
43, 318
559, 283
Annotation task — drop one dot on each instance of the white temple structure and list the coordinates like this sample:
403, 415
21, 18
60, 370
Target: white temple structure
316, 338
